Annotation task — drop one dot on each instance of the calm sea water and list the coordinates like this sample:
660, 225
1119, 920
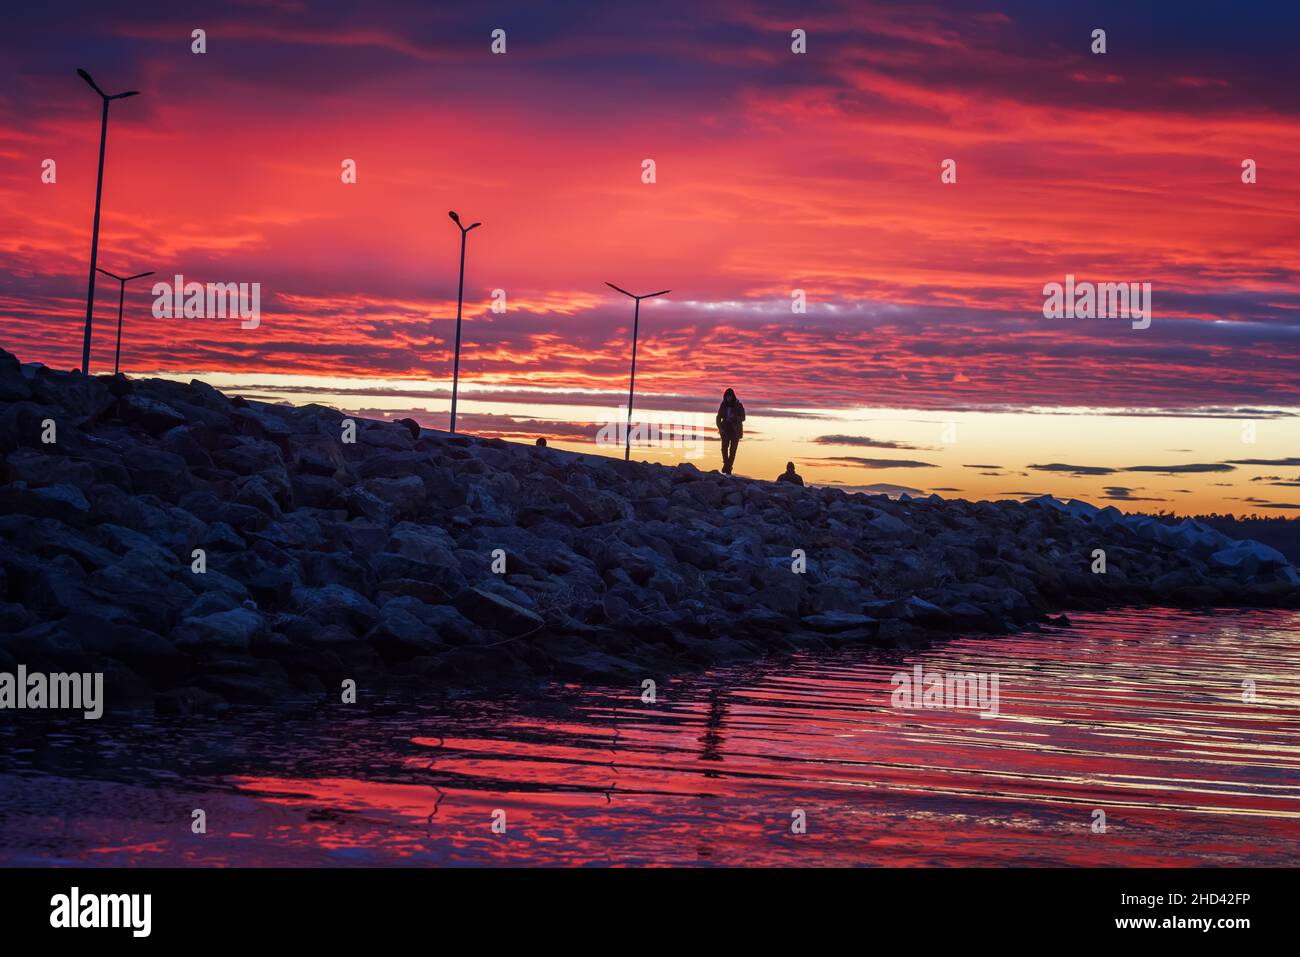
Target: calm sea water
1139, 715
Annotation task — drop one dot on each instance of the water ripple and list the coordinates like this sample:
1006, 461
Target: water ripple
1140, 715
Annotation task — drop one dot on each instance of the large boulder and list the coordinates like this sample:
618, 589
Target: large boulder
13, 384
64, 502
404, 496
336, 604
490, 610
150, 415
231, 630
427, 544
1248, 557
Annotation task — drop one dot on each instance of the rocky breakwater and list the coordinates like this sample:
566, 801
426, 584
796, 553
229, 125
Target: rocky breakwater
200, 549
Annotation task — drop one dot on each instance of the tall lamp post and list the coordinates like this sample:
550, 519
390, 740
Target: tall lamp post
121, 298
460, 299
99, 192
631, 389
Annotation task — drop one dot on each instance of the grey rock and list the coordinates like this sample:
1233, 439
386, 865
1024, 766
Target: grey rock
832, 621
336, 604
152, 416
427, 544
496, 612
888, 524
13, 384
404, 496
40, 467
231, 630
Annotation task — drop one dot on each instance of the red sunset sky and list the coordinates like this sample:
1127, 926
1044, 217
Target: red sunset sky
775, 171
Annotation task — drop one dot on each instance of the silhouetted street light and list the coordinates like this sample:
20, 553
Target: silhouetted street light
460, 298
121, 298
94, 234
631, 389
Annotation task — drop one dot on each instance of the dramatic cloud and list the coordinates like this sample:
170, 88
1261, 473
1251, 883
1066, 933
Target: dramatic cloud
1180, 469
1072, 469
878, 488
775, 173
866, 442
867, 463
1121, 493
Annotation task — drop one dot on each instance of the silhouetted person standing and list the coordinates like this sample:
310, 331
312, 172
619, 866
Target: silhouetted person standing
790, 475
731, 418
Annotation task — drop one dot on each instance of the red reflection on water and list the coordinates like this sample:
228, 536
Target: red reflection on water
1140, 715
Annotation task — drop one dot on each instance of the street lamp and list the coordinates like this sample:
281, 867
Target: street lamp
460, 298
121, 297
631, 389
99, 192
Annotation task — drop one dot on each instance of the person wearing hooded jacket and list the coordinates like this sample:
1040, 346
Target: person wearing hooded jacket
731, 418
